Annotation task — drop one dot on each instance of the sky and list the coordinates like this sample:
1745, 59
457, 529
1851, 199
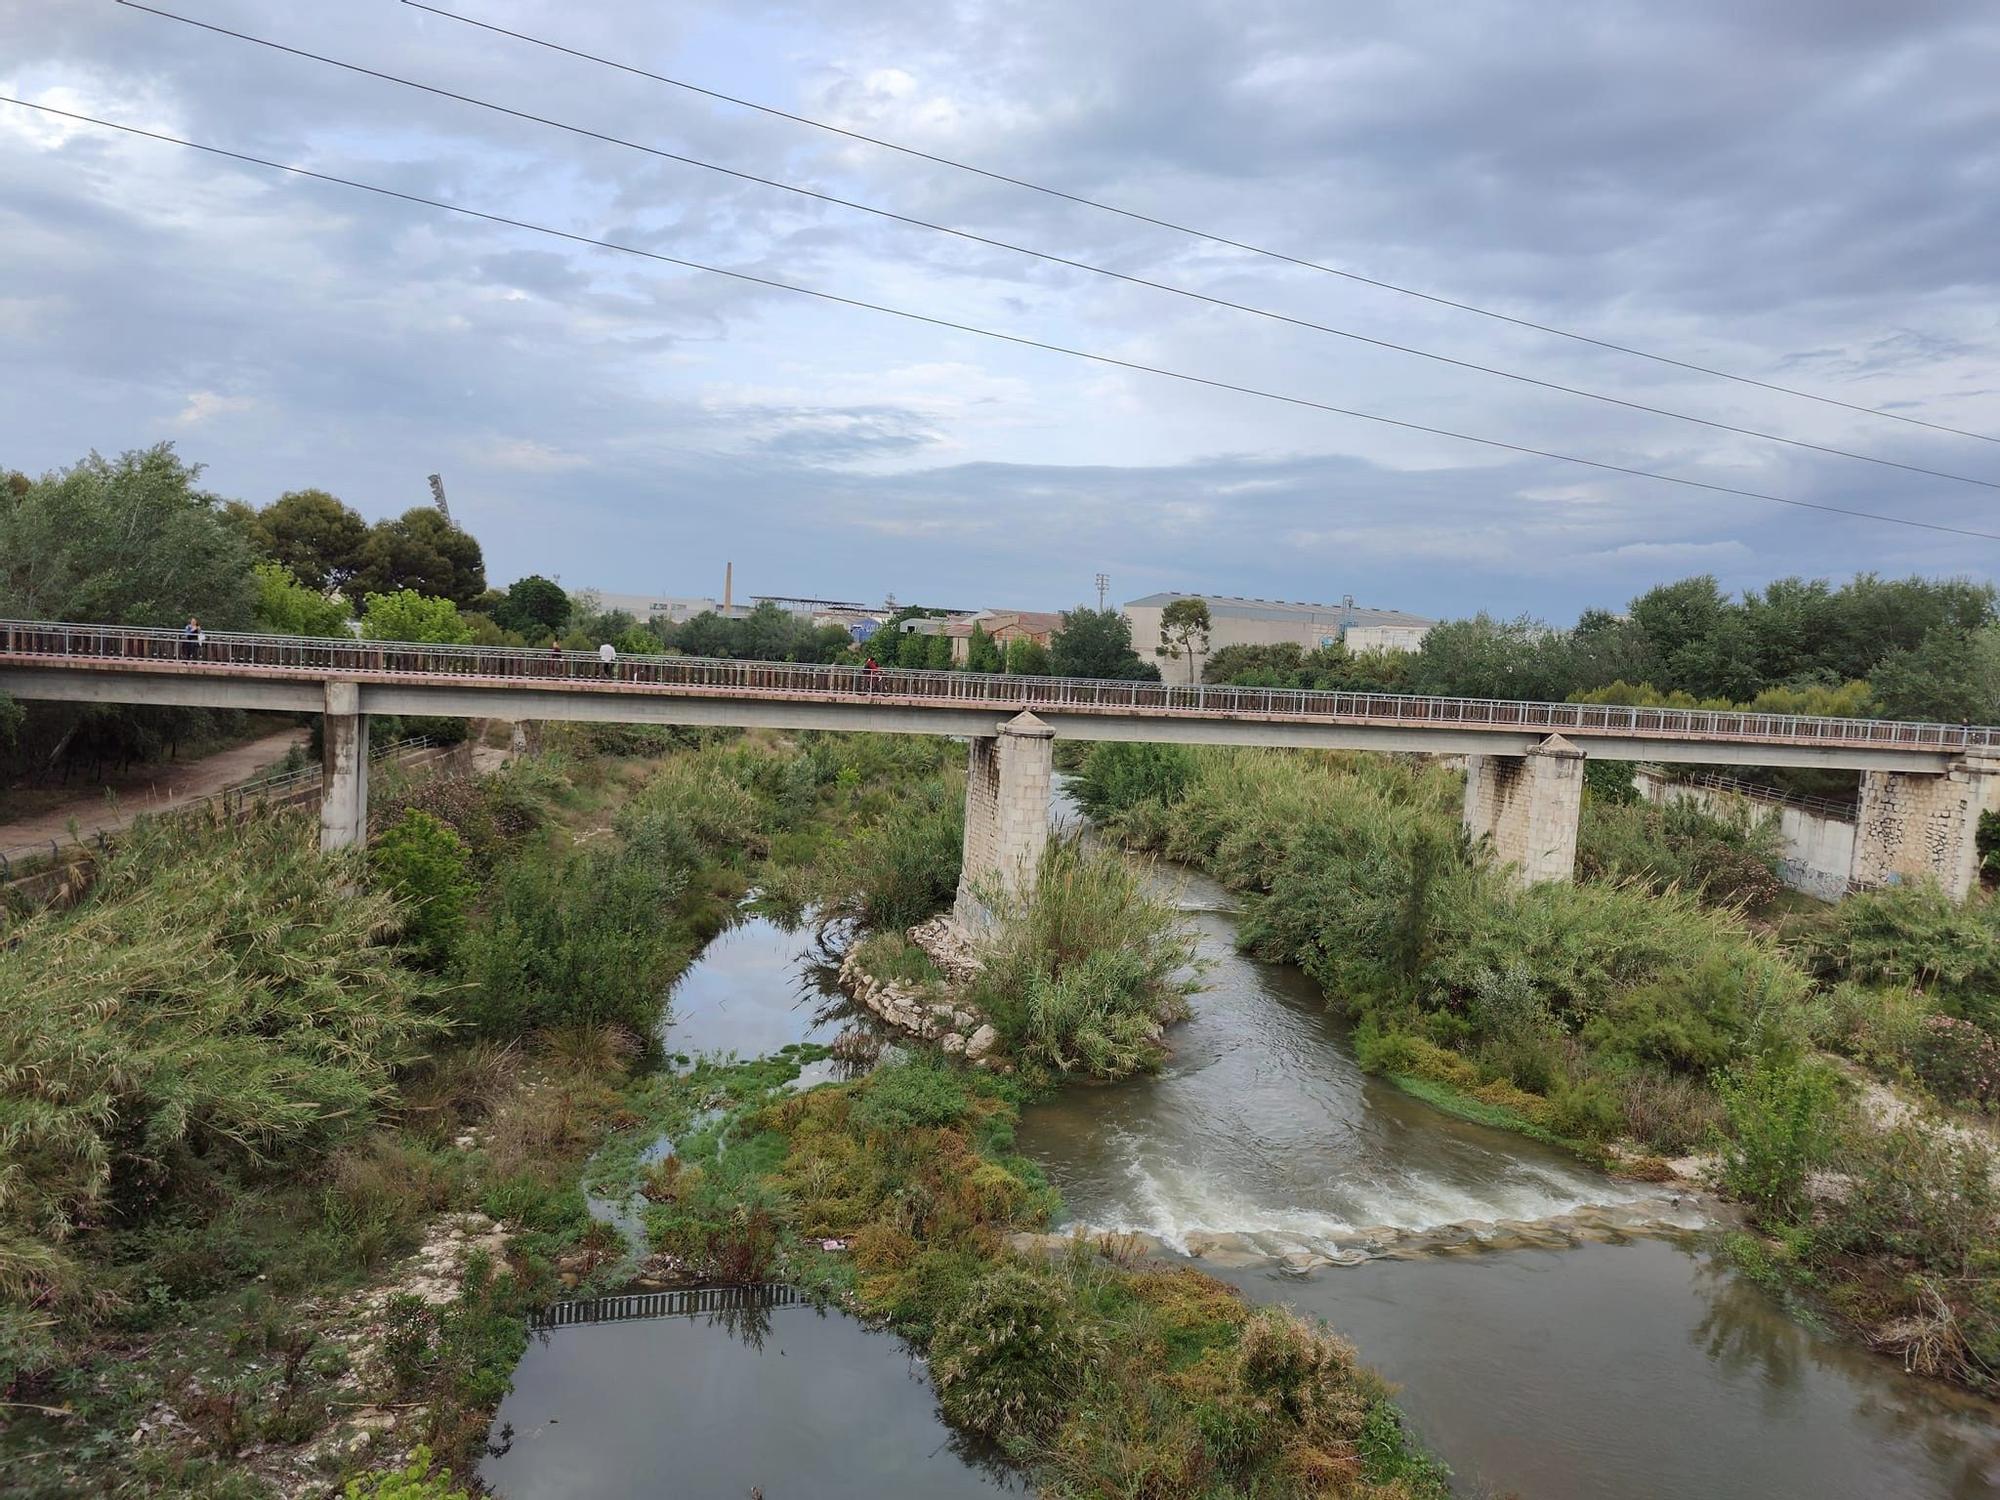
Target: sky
1806, 192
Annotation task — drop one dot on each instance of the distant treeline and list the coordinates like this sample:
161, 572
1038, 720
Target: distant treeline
1907, 648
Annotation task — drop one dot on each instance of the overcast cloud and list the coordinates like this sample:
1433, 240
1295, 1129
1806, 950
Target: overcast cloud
1807, 191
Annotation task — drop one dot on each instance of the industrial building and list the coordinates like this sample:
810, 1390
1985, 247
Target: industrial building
1236, 621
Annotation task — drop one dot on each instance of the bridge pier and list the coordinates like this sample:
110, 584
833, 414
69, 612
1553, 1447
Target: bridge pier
1528, 806
343, 807
1913, 826
1007, 779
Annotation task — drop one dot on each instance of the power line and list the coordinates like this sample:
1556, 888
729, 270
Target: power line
1200, 234
1361, 338
989, 333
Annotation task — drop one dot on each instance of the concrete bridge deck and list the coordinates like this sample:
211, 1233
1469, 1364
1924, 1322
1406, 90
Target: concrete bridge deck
1923, 786
107, 664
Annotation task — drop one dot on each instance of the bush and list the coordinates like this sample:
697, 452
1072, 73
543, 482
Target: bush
416, 1480
1915, 935
1957, 1061
423, 864
221, 996
1009, 1361
909, 1094
568, 939
1920, 1195
1782, 1125
1085, 969
1727, 861
1116, 775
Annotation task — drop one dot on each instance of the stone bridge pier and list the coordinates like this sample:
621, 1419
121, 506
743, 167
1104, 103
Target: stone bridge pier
343, 808
1007, 780
1528, 806
1915, 826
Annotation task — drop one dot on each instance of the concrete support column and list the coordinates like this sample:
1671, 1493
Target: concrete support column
1006, 815
343, 806
1912, 826
517, 739
1527, 806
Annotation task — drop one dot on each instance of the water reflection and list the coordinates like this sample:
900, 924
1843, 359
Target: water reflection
792, 1400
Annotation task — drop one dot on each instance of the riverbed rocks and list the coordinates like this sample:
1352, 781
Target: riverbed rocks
928, 1012
948, 946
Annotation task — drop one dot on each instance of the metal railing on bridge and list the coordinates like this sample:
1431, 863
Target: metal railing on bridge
501, 665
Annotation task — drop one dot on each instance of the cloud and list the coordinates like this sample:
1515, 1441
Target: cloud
1797, 190
203, 405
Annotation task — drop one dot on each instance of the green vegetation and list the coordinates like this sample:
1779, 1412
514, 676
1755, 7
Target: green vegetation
240, 1081
1099, 1377
1085, 970
1097, 643
286, 606
407, 615
1905, 648
1726, 861
1184, 626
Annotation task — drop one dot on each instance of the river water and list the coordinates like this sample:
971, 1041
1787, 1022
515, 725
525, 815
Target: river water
1555, 1333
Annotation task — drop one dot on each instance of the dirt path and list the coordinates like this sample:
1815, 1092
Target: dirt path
160, 788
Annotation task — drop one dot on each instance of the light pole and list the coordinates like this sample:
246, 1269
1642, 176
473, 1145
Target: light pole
1103, 584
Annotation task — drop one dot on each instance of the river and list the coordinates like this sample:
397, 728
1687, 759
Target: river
1555, 1333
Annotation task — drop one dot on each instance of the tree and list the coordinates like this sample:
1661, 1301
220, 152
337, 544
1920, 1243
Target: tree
313, 534
287, 607
981, 655
407, 615
126, 541
423, 551
1027, 657
1184, 626
1487, 658
129, 541
912, 649
423, 863
535, 606
1950, 678
937, 653
1097, 643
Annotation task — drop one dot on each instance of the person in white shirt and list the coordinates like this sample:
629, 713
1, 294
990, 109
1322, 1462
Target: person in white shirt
608, 654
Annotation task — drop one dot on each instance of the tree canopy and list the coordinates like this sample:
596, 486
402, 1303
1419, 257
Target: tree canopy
407, 615
533, 606
125, 541
1097, 643
423, 551
313, 534
1184, 627
287, 607
1905, 648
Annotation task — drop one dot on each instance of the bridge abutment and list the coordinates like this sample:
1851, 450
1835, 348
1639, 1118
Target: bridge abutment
343, 808
1911, 826
1007, 780
1528, 806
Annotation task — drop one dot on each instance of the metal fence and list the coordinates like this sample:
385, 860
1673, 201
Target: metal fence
496, 665
234, 801
1824, 807
678, 1302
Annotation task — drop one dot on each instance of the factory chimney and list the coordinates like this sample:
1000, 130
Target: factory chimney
728, 586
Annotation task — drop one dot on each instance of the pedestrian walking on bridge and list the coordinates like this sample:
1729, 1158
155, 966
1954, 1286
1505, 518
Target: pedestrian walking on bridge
608, 654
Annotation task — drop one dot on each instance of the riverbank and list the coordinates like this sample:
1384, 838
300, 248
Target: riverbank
1627, 1017
339, 1062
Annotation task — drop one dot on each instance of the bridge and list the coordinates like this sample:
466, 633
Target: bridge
1922, 786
